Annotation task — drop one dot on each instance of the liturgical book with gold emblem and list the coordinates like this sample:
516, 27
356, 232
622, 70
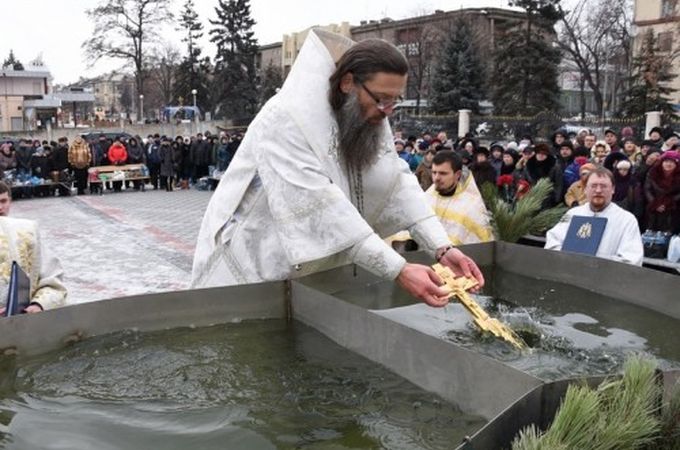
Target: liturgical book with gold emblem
584, 234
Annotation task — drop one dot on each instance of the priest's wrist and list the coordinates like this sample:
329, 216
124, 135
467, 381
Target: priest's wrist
441, 251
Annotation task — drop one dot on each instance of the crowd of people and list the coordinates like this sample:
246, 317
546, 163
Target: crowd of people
646, 173
172, 163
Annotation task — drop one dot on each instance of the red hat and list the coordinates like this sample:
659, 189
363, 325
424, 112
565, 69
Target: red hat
672, 155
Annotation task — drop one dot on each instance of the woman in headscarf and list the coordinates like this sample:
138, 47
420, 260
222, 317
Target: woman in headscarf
662, 190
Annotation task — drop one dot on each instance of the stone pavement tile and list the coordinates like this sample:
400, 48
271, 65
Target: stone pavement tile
120, 244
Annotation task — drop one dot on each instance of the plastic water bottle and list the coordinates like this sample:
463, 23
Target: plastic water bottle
648, 242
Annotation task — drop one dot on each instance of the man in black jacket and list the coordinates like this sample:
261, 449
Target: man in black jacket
60, 164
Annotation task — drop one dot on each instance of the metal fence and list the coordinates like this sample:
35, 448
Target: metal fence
506, 128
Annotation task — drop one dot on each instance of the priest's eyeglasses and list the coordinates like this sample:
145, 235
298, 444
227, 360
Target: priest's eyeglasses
383, 104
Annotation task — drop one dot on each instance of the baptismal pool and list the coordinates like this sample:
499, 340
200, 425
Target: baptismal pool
250, 385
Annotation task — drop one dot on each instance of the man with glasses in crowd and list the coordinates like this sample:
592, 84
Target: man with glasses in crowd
621, 240
317, 181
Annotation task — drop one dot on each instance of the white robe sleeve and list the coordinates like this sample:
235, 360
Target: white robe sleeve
408, 209
555, 236
50, 291
630, 248
374, 255
430, 235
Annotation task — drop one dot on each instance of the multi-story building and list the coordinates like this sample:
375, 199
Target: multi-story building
419, 37
23, 91
114, 94
663, 18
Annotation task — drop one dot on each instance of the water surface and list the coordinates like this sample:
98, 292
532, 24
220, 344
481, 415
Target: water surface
573, 331
253, 385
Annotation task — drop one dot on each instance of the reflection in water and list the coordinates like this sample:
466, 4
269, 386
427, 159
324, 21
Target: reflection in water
263, 384
572, 331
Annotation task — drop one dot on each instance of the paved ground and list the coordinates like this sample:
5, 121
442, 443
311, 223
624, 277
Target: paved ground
120, 244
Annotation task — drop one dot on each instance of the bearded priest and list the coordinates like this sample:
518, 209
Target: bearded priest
316, 181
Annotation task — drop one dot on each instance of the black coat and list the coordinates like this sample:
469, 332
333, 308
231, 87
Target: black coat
483, 172
535, 169
60, 158
41, 165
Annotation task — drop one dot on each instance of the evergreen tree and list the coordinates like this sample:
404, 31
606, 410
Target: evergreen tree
235, 76
12, 62
457, 83
650, 81
526, 64
193, 72
272, 80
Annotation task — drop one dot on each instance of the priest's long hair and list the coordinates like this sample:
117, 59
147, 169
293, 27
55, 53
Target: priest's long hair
363, 60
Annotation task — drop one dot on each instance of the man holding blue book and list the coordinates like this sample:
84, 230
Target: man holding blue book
20, 243
599, 227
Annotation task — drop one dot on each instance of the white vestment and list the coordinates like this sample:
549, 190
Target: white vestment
286, 206
463, 214
20, 242
621, 240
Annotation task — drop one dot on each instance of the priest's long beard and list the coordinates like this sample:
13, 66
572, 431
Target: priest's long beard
359, 141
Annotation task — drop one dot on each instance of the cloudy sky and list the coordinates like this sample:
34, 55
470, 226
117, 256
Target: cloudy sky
56, 29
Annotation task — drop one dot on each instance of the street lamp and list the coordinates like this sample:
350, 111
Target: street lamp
141, 108
194, 92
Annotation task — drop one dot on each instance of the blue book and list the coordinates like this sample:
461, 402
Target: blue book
584, 235
19, 292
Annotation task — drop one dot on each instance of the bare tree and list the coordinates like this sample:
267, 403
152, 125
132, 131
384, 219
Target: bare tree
162, 67
596, 38
421, 44
123, 30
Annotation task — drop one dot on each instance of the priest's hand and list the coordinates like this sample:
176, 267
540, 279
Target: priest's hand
463, 265
423, 283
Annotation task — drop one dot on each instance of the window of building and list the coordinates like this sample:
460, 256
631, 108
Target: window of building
409, 40
668, 8
666, 41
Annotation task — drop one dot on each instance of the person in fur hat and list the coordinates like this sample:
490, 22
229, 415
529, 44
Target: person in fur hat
656, 137
510, 159
641, 173
481, 168
662, 192
612, 159
565, 157
599, 152
557, 139
632, 151
624, 185
539, 165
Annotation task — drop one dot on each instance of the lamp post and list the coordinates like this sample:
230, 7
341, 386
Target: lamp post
194, 92
141, 108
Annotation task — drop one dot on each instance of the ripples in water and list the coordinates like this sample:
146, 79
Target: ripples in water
265, 384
